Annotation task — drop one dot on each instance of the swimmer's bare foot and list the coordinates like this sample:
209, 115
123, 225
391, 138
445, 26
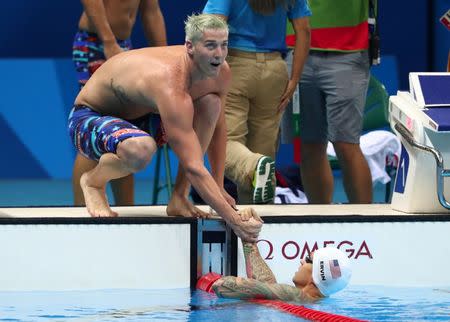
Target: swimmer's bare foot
181, 206
95, 198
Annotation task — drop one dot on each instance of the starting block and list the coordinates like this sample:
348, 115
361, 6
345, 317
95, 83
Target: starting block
421, 119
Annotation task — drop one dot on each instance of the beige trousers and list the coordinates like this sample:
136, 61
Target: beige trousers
258, 82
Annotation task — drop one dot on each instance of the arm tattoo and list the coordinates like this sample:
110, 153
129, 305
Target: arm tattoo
242, 288
119, 92
255, 265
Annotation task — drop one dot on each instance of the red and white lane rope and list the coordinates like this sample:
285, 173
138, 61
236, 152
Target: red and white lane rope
306, 313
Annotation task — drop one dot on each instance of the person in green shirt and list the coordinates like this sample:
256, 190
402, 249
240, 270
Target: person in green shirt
332, 95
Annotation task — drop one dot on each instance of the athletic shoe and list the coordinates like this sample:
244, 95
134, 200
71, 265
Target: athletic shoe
263, 181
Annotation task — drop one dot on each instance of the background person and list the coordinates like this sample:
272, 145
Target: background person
260, 88
105, 28
333, 90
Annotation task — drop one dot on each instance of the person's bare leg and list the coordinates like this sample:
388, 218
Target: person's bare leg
355, 172
131, 156
123, 188
317, 177
205, 119
80, 166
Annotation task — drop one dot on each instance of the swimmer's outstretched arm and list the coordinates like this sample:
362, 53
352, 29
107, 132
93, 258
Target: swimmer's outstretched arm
255, 265
216, 152
177, 112
244, 288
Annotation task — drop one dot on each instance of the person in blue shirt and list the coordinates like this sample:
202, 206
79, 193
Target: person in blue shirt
260, 88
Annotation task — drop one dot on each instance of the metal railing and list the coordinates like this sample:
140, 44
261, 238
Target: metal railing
441, 173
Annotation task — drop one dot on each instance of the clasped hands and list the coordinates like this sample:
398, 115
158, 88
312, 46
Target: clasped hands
247, 224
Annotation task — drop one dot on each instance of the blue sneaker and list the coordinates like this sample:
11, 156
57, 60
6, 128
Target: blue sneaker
263, 181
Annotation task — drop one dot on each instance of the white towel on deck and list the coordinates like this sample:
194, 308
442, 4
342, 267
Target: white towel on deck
376, 145
286, 195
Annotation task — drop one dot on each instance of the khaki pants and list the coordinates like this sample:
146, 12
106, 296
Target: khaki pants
258, 82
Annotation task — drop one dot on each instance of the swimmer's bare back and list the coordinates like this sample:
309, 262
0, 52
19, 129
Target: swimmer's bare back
128, 84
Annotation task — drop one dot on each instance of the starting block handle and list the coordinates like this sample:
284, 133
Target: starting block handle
440, 171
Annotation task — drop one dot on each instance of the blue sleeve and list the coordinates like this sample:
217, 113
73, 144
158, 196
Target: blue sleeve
220, 7
299, 10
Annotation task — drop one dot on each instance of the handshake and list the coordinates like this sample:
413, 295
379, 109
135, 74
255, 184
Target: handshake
247, 224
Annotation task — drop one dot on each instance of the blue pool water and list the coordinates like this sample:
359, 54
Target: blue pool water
368, 303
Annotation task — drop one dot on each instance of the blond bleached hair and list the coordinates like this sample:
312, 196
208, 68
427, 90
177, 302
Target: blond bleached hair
196, 24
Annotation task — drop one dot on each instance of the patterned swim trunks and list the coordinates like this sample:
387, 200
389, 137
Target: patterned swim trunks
94, 134
88, 56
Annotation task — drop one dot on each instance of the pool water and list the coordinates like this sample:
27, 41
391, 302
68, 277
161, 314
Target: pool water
368, 303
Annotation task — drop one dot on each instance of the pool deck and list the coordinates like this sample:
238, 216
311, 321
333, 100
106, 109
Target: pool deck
262, 210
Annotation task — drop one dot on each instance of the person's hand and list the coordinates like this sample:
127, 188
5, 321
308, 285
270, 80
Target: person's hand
247, 225
287, 95
248, 213
111, 48
248, 230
